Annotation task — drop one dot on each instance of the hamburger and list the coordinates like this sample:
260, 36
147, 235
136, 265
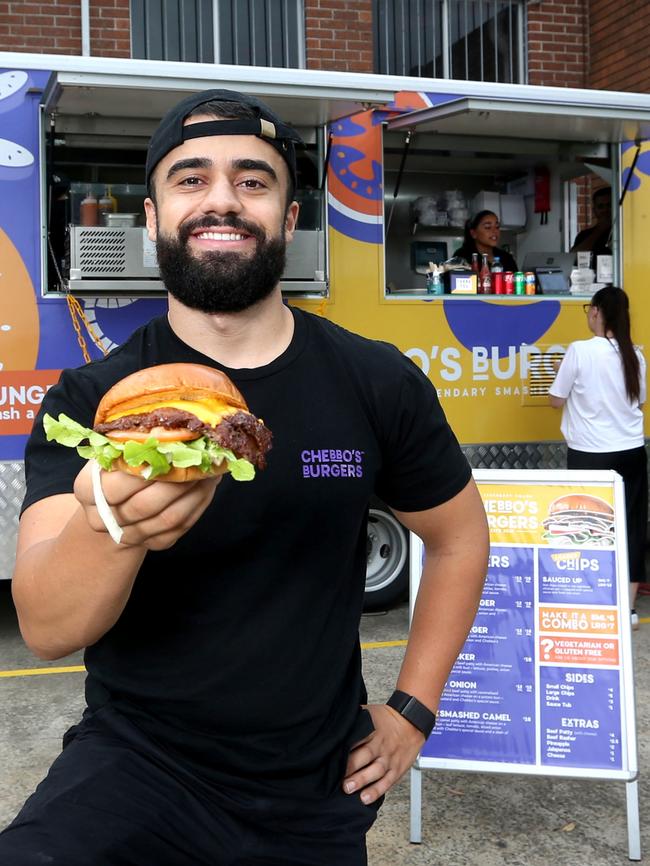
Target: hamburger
176, 422
579, 518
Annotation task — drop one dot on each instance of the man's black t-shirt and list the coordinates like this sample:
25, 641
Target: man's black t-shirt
238, 649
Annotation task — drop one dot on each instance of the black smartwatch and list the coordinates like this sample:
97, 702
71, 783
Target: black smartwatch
414, 711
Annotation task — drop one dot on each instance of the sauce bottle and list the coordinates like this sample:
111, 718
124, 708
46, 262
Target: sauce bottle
88, 210
107, 203
485, 280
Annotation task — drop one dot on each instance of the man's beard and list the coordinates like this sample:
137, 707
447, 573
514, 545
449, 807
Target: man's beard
215, 281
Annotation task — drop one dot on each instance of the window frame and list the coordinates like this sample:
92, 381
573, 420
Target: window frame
449, 12
260, 32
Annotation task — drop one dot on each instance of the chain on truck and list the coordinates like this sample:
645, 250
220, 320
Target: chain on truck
391, 170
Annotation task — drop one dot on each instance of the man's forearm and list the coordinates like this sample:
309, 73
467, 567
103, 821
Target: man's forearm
457, 544
69, 590
448, 597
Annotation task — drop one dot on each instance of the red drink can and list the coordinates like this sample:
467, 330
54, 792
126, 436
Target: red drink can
497, 283
508, 283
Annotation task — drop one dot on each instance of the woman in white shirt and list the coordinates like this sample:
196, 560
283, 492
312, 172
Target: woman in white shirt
600, 387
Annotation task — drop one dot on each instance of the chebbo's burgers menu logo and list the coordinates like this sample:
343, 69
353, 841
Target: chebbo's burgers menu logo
579, 518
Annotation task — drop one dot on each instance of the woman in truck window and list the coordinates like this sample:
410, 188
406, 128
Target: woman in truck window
600, 387
482, 233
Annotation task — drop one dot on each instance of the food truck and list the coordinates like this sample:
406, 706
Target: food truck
391, 169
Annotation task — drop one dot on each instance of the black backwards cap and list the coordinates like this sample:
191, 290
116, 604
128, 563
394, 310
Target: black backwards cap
266, 125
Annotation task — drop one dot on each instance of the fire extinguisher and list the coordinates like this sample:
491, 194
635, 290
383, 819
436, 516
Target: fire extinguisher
542, 193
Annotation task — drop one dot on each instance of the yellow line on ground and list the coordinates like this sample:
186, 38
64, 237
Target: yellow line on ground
35, 672
73, 669
383, 643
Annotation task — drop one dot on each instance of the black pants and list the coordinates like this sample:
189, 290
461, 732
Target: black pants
633, 466
112, 798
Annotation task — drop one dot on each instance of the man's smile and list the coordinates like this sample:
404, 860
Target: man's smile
220, 236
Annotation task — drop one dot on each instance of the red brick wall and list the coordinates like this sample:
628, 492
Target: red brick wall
54, 27
110, 28
339, 35
558, 42
619, 37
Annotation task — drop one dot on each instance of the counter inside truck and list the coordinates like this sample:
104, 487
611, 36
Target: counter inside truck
490, 357
525, 160
95, 136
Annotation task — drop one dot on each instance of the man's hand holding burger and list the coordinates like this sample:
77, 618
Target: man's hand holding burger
181, 423
151, 515
168, 436
71, 581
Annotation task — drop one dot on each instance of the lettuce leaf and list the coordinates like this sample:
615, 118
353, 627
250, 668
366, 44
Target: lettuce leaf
65, 431
157, 457
137, 453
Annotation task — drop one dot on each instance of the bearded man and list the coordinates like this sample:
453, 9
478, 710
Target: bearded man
226, 719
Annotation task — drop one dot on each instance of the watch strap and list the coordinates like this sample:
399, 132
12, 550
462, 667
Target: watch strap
413, 711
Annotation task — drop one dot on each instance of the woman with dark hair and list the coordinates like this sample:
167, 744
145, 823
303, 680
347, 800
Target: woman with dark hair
600, 387
482, 233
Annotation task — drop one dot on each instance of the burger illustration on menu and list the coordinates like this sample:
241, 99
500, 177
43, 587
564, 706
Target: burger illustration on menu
579, 519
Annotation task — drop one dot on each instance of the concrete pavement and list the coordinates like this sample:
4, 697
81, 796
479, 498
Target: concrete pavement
467, 818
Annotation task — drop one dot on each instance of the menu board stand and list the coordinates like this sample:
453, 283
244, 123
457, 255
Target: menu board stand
544, 684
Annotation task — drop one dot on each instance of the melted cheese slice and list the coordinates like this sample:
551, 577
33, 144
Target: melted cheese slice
208, 411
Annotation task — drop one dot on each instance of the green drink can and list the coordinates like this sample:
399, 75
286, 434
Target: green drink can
520, 283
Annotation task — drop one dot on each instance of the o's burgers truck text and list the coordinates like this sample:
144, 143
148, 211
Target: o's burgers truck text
391, 170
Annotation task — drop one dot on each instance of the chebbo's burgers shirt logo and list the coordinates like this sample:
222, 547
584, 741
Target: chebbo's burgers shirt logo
332, 463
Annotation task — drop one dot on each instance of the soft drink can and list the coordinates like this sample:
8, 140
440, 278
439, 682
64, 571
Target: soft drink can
497, 283
508, 283
520, 283
530, 282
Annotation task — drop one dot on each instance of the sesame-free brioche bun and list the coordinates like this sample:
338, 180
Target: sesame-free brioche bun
168, 383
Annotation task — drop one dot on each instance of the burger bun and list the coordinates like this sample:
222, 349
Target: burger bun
168, 382
580, 502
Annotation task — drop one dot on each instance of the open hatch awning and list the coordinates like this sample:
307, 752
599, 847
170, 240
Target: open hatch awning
144, 91
520, 118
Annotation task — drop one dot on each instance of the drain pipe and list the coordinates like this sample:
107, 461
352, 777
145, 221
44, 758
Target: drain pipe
85, 28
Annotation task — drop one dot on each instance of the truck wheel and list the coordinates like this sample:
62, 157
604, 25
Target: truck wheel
387, 573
